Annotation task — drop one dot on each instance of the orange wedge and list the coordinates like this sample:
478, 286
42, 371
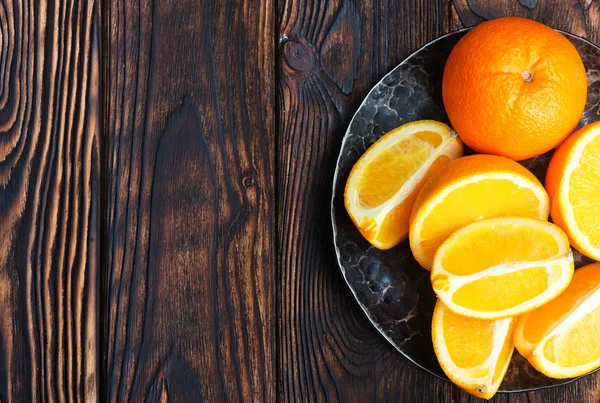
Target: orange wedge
474, 353
562, 338
502, 267
470, 189
573, 183
384, 182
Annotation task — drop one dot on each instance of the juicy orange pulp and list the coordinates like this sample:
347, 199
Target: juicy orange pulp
562, 338
385, 181
470, 189
573, 181
502, 267
473, 353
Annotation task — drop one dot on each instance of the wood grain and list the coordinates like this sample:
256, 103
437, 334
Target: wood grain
579, 17
330, 54
49, 195
165, 178
189, 284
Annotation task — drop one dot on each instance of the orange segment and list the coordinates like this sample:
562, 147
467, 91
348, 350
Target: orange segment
385, 182
502, 267
383, 176
472, 254
483, 295
572, 180
470, 189
473, 353
540, 322
576, 347
562, 338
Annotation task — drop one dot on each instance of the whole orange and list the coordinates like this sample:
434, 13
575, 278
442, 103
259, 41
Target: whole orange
514, 87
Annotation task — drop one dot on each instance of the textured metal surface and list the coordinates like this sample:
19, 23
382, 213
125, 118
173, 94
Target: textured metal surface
390, 286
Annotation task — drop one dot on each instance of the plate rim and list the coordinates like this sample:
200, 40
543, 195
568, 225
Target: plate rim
334, 226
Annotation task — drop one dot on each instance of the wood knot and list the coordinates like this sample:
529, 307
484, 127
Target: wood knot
248, 181
299, 55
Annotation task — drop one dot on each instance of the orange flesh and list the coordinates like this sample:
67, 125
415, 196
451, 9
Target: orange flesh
482, 248
382, 177
580, 345
505, 356
541, 321
464, 347
469, 341
497, 293
584, 195
397, 220
476, 200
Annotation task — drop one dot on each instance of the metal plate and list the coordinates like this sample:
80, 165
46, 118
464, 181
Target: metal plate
391, 287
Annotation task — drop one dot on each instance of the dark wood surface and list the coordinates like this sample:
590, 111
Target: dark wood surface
328, 350
49, 201
165, 178
189, 175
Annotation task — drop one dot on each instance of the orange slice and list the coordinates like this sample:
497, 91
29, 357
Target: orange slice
470, 189
474, 353
572, 181
502, 267
562, 338
385, 181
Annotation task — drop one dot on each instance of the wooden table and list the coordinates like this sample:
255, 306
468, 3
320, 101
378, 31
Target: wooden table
165, 176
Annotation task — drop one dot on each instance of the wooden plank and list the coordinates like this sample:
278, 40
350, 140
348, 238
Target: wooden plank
49, 200
580, 17
189, 206
331, 54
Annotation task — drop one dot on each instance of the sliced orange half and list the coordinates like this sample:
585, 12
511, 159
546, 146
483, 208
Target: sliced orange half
384, 182
502, 267
474, 353
573, 183
470, 189
562, 338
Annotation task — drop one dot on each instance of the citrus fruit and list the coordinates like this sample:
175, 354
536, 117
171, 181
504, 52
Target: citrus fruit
473, 353
573, 183
469, 189
562, 338
502, 267
385, 181
514, 87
